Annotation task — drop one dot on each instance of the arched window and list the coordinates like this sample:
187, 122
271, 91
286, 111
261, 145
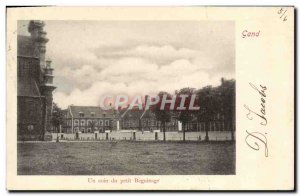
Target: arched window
82, 122
89, 122
76, 122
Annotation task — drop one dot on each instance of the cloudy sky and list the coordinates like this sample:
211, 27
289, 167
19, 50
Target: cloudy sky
93, 58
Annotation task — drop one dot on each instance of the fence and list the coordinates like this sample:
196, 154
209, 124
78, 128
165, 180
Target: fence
145, 136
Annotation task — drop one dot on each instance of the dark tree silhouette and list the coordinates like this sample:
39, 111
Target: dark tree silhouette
217, 100
227, 102
209, 105
163, 115
57, 117
185, 115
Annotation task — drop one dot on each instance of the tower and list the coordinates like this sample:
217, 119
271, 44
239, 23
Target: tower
39, 40
47, 88
38, 36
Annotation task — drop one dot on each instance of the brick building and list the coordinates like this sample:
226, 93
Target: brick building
87, 119
35, 84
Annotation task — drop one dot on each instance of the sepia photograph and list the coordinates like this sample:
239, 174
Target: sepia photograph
109, 97
150, 98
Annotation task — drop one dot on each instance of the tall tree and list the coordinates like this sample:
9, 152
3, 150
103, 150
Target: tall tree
209, 105
227, 101
162, 115
185, 115
57, 117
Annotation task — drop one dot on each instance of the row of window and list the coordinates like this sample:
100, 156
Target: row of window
144, 124
147, 123
84, 122
211, 126
89, 130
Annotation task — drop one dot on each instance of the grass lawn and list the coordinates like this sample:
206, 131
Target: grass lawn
126, 158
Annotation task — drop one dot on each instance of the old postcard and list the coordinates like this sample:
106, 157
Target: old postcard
150, 98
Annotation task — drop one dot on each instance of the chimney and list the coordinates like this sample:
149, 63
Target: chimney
222, 81
38, 35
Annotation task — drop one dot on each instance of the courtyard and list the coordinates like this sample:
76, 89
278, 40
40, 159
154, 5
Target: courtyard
127, 158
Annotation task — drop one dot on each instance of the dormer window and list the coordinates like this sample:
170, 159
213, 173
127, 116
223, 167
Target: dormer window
92, 114
81, 114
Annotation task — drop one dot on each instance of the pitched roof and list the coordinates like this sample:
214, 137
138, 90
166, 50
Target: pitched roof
25, 46
88, 112
28, 87
135, 113
148, 114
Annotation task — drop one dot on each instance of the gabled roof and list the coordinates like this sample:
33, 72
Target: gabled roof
135, 112
28, 87
25, 46
91, 112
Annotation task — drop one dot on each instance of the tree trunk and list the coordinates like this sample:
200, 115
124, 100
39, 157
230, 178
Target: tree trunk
57, 138
206, 132
183, 131
164, 129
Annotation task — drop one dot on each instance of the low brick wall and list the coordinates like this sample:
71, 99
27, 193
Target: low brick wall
146, 136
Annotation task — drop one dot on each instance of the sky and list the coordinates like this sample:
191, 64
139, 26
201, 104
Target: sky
95, 58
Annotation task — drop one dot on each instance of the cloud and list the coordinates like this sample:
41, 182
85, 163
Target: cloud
134, 76
155, 53
93, 58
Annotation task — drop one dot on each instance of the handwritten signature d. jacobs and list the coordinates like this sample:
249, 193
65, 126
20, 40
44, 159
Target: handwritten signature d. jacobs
257, 139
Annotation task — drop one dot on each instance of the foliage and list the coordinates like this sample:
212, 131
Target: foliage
185, 115
217, 100
164, 115
57, 116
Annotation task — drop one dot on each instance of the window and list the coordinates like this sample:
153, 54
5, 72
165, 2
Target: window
92, 114
76, 122
83, 130
81, 114
89, 130
89, 122
100, 122
82, 122
106, 122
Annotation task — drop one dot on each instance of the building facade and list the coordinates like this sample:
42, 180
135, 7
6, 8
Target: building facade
34, 84
144, 120
88, 119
